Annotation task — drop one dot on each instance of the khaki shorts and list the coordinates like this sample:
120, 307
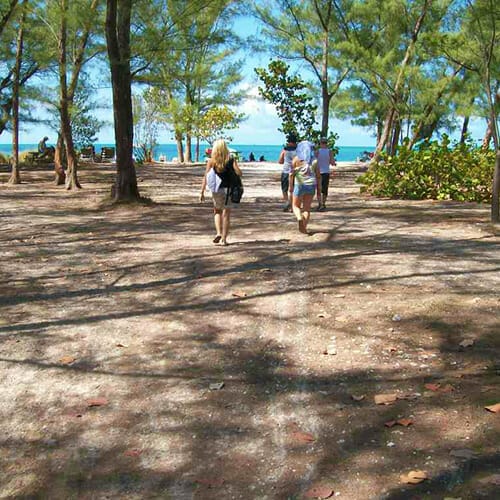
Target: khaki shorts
220, 200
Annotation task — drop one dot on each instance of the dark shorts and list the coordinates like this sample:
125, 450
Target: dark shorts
285, 182
325, 181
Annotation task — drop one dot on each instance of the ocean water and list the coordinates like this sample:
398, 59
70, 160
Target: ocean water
270, 153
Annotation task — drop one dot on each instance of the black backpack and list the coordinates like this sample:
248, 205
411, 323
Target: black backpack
232, 182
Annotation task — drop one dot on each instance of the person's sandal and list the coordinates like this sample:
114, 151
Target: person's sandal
217, 239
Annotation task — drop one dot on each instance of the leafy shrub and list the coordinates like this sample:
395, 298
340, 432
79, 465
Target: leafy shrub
4, 159
438, 171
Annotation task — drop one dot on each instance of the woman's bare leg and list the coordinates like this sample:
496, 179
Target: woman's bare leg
306, 213
296, 204
218, 221
226, 223
297, 210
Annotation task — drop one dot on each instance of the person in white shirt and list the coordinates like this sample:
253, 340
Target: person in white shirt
325, 158
286, 158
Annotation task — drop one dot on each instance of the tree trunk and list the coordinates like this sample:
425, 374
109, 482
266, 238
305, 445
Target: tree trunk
197, 149
15, 176
396, 130
465, 129
118, 16
380, 126
60, 174
488, 134
188, 148
71, 177
495, 198
325, 96
180, 150
386, 132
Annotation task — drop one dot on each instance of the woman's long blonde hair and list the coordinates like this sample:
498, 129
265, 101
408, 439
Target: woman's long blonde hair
220, 154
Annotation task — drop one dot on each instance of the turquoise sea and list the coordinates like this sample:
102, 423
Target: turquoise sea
270, 153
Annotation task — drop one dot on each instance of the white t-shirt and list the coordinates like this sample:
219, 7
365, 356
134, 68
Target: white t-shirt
288, 160
324, 160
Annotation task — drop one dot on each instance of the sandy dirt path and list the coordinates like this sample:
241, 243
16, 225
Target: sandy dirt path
138, 360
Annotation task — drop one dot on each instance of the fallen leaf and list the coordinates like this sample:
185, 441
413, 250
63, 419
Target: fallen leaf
447, 388
216, 386
303, 437
466, 343
121, 345
405, 422
385, 399
240, 295
464, 453
439, 387
410, 397
322, 315
339, 296
132, 453
210, 482
488, 388
493, 408
319, 492
97, 402
432, 387
414, 477
357, 398
491, 479
67, 360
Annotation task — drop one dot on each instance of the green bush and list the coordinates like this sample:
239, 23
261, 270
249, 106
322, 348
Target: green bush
437, 171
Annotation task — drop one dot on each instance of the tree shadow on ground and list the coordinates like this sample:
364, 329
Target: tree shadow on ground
153, 316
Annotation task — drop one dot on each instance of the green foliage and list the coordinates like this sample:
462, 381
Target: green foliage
147, 123
288, 93
216, 121
84, 125
436, 170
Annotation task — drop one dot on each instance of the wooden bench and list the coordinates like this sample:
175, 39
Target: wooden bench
35, 158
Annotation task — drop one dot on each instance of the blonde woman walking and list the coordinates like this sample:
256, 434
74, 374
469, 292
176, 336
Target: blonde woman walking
220, 167
304, 182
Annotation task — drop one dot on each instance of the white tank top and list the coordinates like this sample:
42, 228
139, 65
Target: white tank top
288, 160
324, 160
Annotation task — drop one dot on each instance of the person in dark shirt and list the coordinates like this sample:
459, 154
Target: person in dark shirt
45, 151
